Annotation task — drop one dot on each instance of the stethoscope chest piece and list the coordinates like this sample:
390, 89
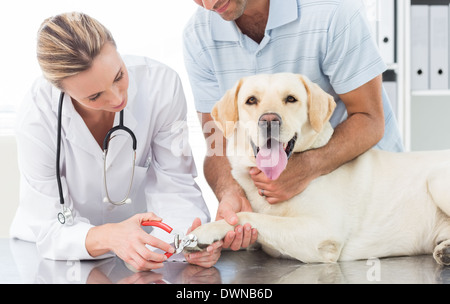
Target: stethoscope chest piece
65, 216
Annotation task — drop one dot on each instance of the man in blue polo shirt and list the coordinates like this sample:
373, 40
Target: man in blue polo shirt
327, 40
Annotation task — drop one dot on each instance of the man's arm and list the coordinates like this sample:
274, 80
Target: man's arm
231, 196
363, 129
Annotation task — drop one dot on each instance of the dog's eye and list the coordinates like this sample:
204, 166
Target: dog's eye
290, 98
252, 101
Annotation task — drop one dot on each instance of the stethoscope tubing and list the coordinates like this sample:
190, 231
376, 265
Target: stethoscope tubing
66, 216
58, 150
117, 128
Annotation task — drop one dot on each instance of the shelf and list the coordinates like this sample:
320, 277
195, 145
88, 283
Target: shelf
431, 93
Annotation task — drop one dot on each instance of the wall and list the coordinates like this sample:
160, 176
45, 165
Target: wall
9, 183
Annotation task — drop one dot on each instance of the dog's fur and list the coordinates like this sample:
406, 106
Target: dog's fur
380, 204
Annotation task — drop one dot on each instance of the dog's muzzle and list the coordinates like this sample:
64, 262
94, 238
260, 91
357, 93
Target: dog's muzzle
272, 155
288, 147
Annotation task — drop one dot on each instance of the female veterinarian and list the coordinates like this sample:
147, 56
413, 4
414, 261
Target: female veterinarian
80, 199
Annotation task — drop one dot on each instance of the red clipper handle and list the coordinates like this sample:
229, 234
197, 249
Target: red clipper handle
162, 226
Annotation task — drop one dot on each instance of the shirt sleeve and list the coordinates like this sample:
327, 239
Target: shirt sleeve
171, 190
352, 57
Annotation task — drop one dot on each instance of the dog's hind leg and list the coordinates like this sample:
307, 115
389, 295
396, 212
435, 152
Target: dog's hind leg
438, 184
302, 238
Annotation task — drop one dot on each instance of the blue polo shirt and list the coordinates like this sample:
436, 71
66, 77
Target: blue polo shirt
329, 41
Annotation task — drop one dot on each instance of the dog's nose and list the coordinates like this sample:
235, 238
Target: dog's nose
270, 117
270, 123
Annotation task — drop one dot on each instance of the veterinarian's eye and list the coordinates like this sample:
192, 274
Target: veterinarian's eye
252, 101
290, 99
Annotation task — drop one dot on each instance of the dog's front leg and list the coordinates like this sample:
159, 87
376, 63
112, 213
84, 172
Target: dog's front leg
209, 233
304, 239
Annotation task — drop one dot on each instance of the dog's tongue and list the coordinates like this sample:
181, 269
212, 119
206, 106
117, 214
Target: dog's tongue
272, 161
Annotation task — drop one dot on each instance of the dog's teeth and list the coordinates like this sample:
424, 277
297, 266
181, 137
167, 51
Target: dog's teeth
284, 146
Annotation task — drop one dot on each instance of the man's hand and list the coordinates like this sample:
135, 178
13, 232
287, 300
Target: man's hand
231, 197
208, 257
294, 179
242, 236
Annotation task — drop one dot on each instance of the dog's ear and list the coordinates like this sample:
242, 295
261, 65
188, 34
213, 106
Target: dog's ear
320, 104
225, 111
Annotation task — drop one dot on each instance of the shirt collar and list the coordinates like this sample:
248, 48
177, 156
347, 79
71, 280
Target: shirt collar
222, 30
281, 12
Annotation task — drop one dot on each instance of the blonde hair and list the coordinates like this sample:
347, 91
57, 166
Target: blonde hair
67, 45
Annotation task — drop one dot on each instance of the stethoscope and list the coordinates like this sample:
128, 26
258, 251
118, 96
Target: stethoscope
66, 215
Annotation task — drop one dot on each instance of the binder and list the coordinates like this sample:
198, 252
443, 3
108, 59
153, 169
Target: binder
439, 58
390, 88
420, 69
386, 31
372, 13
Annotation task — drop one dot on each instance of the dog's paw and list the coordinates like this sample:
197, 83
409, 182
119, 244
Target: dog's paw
209, 233
442, 253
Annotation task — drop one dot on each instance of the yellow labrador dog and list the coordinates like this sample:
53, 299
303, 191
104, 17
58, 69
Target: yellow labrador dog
380, 204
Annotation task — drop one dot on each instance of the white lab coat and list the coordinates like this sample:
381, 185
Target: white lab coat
164, 173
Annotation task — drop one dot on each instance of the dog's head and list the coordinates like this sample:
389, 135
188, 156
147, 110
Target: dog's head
279, 114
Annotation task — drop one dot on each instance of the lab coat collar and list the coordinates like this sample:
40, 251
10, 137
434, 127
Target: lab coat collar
132, 87
281, 12
55, 102
74, 129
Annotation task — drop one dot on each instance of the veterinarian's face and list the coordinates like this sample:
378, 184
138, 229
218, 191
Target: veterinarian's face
228, 9
104, 86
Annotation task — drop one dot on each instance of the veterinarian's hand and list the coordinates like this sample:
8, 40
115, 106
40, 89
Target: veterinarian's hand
242, 236
127, 239
294, 180
208, 257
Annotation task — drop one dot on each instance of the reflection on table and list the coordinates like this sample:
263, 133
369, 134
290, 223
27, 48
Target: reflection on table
20, 263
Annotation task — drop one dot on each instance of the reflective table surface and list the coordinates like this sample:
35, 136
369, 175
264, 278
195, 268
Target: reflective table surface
20, 263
